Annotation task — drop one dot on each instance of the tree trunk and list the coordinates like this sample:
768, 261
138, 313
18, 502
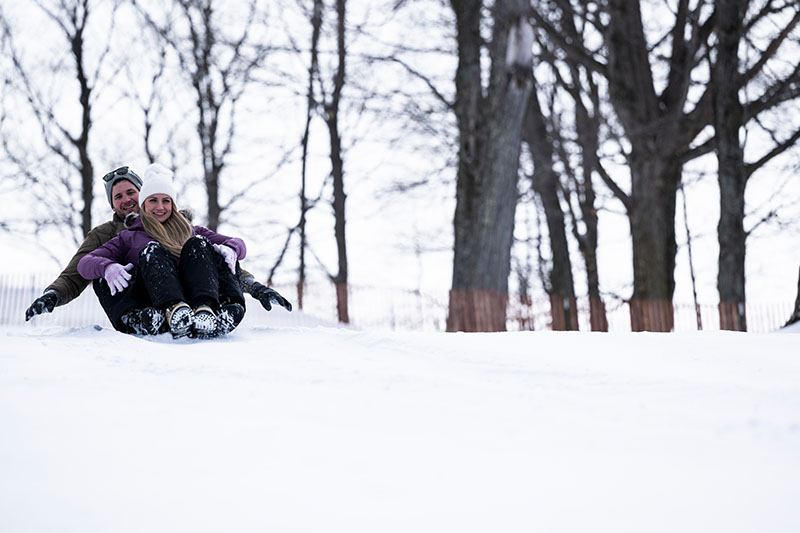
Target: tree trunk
560, 285
208, 111
82, 142
728, 116
313, 73
588, 131
488, 159
208, 101
339, 225
796, 314
652, 219
651, 123
337, 168
212, 191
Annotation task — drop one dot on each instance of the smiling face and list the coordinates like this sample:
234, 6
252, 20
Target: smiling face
158, 205
124, 198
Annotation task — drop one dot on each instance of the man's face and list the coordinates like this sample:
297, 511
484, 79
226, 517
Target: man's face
124, 198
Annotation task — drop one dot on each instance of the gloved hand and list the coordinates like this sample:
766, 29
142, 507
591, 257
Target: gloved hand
229, 254
43, 304
117, 277
268, 296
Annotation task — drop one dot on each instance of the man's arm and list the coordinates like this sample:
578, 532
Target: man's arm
70, 284
263, 294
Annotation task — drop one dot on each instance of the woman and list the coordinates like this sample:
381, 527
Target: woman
182, 277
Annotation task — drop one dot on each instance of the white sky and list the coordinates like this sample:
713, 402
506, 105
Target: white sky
384, 230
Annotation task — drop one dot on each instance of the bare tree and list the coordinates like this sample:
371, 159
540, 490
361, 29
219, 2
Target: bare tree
582, 96
219, 68
660, 116
331, 106
152, 100
315, 17
64, 127
490, 129
313, 74
728, 121
796, 313
559, 283
730, 116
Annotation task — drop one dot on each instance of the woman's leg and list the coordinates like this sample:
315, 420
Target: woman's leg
207, 280
159, 275
119, 305
198, 273
231, 297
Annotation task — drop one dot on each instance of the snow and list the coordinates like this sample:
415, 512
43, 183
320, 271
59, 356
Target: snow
326, 429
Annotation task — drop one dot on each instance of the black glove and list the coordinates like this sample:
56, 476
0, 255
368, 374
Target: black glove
268, 296
43, 304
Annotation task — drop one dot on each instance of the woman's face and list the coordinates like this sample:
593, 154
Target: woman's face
158, 205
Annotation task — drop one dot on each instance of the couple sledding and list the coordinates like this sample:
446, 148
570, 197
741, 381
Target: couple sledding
158, 273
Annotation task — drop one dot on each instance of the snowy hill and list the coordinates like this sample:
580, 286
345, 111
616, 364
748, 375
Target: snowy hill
324, 429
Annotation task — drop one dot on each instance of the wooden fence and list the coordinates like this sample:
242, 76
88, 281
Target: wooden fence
373, 308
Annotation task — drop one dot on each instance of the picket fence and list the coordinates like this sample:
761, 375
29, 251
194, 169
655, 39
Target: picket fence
373, 308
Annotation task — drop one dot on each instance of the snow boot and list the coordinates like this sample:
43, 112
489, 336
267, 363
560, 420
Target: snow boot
179, 318
229, 317
204, 322
146, 321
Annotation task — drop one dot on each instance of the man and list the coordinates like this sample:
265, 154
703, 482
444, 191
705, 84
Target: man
122, 189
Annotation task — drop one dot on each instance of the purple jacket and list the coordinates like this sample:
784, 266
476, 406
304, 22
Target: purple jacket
125, 248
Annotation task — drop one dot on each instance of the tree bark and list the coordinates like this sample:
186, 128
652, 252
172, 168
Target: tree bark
337, 167
82, 142
661, 126
651, 124
559, 285
587, 126
728, 120
488, 159
311, 103
796, 313
652, 222
208, 102
587, 136
219, 66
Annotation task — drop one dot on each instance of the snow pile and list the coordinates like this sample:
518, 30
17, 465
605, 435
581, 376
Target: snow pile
323, 429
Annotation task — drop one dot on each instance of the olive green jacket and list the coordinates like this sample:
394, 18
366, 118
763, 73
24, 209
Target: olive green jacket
69, 283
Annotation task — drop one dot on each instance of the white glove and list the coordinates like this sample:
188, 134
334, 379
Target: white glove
117, 277
229, 254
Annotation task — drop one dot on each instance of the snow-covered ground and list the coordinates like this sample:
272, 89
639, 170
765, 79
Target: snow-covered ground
315, 429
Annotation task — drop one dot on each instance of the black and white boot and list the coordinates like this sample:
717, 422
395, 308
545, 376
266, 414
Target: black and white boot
146, 321
204, 322
179, 319
229, 317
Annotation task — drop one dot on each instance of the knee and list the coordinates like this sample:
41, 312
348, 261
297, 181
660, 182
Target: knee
196, 245
152, 250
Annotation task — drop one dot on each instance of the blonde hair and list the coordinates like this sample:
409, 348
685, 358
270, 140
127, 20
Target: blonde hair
172, 233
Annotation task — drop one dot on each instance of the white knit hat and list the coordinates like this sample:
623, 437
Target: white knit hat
157, 179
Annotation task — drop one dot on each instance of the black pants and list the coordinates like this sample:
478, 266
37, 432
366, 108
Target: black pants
200, 278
